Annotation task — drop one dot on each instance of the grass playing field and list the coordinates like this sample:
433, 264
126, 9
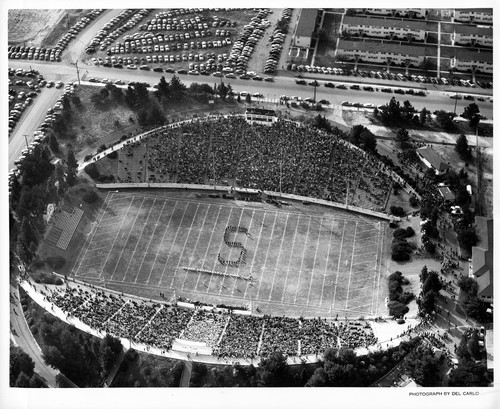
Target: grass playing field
305, 260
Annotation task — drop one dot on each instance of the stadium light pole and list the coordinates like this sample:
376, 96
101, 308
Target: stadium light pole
77, 71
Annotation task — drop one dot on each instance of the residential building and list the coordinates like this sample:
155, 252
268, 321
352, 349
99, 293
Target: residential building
432, 160
382, 53
446, 194
465, 60
410, 13
472, 35
384, 27
305, 27
260, 116
481, 266
474, 15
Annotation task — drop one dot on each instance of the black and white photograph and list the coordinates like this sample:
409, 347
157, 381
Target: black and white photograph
250, 202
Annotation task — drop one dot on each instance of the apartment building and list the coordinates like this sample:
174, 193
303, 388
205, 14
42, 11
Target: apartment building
472, 35
409, 13
304, 29
481, 266
467, 60
384, 28
482, 16
374, 52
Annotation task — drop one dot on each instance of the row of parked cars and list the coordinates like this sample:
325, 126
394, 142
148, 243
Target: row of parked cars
144, 49
105, 36
247, 40
198, 22
24, 85
277, 40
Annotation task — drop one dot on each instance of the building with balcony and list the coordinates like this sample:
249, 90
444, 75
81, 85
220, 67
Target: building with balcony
467, 60
482, 16
381, 53
409, 13
384, 28
472, 35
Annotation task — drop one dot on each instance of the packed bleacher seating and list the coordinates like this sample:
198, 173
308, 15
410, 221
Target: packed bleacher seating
309, 162
241, 338
229, 334
205, 327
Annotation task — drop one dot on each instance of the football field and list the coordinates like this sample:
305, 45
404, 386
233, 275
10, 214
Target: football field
326, 261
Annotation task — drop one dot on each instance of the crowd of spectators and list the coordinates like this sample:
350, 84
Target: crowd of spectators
205, 327
229, 334
305, 160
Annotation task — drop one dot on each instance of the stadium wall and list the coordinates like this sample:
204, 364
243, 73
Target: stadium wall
224, 189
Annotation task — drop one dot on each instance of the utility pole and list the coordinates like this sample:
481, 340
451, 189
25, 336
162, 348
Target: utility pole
26, 139
315, 85
456, 98
77, 71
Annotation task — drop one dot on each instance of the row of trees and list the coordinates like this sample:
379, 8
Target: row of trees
83, 358
398, 299
469, 301
40, 182
430, 287
22, 370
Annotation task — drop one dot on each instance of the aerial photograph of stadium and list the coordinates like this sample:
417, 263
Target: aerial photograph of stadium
256, 197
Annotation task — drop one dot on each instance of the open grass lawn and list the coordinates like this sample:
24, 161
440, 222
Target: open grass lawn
320, 262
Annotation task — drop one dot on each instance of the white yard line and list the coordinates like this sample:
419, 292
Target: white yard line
265, 258
138, 240
290, 259
208, 246
326, 267
223, 278
218, 252
279, 255
255, 253
302, 262
128, 236
314, 261
246, 241
161, 242
197, 240
185, 243
172, 245
150, 240
350, 268
338, 268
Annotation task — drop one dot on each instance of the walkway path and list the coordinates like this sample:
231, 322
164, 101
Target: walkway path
186, 374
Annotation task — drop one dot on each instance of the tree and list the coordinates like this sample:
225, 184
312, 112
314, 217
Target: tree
53, 144
467, 237
463, 149
445, 120
72, 168
468, 285
431, 283
402, 137
20, 362
109, 350
471, 112
177, 89
397, 309
163, 88
469, 373
248, 99
22, 381
318, 379
423, 366
424, 115
273, 370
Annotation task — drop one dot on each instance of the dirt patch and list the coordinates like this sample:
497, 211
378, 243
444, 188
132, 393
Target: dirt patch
32, 26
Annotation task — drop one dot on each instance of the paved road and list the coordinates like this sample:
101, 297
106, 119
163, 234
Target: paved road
76, 48
22, 337
31, 119
438, 97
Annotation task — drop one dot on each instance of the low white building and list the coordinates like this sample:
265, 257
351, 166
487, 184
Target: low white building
467, 60
472, 35
375, 52
474, 15
410, 13
260, 116
304, 30
384, 27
